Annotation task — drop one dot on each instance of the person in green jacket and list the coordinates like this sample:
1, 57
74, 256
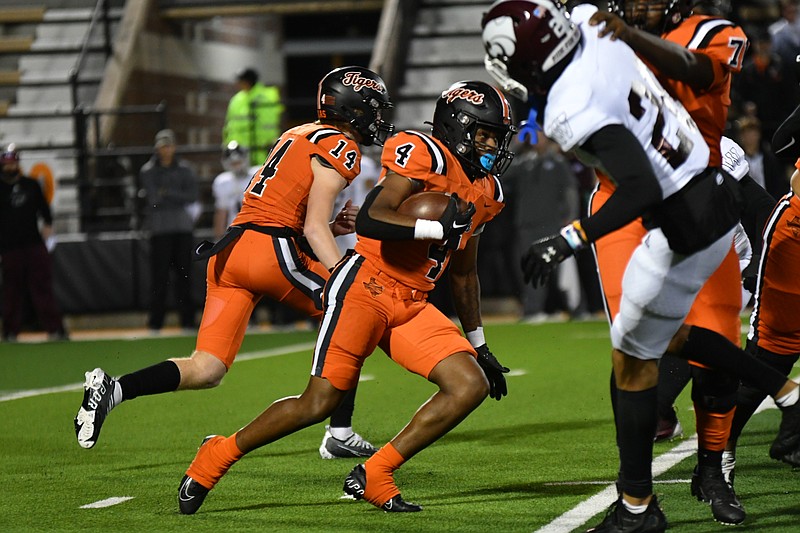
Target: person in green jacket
253, 118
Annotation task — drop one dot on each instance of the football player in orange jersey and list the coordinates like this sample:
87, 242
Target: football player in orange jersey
694, 57
774, 335
376, 297
290, 196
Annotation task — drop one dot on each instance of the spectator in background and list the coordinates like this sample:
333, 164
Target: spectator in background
765, 88
253, 118
765, 168
545, 197
785, 33
26, 263
170, 190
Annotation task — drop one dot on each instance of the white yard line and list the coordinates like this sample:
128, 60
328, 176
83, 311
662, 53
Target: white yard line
108, 502
250, 356
585, 510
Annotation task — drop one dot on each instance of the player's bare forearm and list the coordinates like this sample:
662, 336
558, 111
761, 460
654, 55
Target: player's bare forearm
465, 285
672, 60
466, 293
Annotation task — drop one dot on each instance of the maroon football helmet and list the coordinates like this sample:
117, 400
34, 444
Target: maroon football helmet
526, 42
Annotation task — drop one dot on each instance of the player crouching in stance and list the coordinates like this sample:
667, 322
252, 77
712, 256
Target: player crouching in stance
377, 297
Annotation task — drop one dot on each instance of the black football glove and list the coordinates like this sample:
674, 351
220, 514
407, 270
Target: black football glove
543, 257
750, 274
494, 372
455, 222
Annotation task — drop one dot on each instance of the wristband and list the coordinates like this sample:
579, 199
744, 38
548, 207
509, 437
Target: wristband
425, 230
476, 337
574, 235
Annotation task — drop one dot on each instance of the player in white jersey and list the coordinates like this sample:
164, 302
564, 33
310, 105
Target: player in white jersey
595, 97
228, 187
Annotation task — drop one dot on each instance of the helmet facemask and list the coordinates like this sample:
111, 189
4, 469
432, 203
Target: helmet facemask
464, 113
528, 44
656, 18
368, 121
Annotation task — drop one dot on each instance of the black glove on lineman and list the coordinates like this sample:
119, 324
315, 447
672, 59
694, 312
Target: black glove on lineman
494, 372
456, 223
750, 274
544, 255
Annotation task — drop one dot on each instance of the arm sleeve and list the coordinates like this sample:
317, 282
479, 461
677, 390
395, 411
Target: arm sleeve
623, 158
377, 229
758, 205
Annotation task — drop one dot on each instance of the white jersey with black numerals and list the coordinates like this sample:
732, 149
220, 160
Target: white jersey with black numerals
606, 84
228, 189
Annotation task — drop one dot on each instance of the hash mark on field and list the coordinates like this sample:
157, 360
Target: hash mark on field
108, 502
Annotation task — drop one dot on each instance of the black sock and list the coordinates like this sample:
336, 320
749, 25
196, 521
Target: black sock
712, 349
342, 417
636, 425
709, 460
749, 398
156, 379
673, 375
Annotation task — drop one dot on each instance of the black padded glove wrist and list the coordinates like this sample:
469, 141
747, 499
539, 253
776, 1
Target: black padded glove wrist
494, 372
543, 257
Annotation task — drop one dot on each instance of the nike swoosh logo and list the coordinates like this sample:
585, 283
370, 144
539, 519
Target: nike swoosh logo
456, 226
184, 493
790, 143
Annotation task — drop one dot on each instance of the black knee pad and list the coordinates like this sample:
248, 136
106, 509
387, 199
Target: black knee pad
715, 391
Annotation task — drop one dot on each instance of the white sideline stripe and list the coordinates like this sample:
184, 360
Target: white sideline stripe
108, 502
262, 354
585, 510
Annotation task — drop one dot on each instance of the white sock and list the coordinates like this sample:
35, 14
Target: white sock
634, 509
341, 433
789, 399
117, 393
728, 464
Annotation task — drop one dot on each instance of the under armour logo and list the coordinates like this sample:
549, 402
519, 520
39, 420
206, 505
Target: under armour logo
549, 254
373, 287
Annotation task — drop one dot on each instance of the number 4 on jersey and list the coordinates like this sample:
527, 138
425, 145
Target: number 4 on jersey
269, 169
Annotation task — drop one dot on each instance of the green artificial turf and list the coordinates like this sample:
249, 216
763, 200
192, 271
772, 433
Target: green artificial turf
513, 465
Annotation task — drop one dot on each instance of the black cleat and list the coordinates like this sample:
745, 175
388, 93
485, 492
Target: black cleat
356, 481
786, 446
709, 486
620, 520
98, 401
190, 495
